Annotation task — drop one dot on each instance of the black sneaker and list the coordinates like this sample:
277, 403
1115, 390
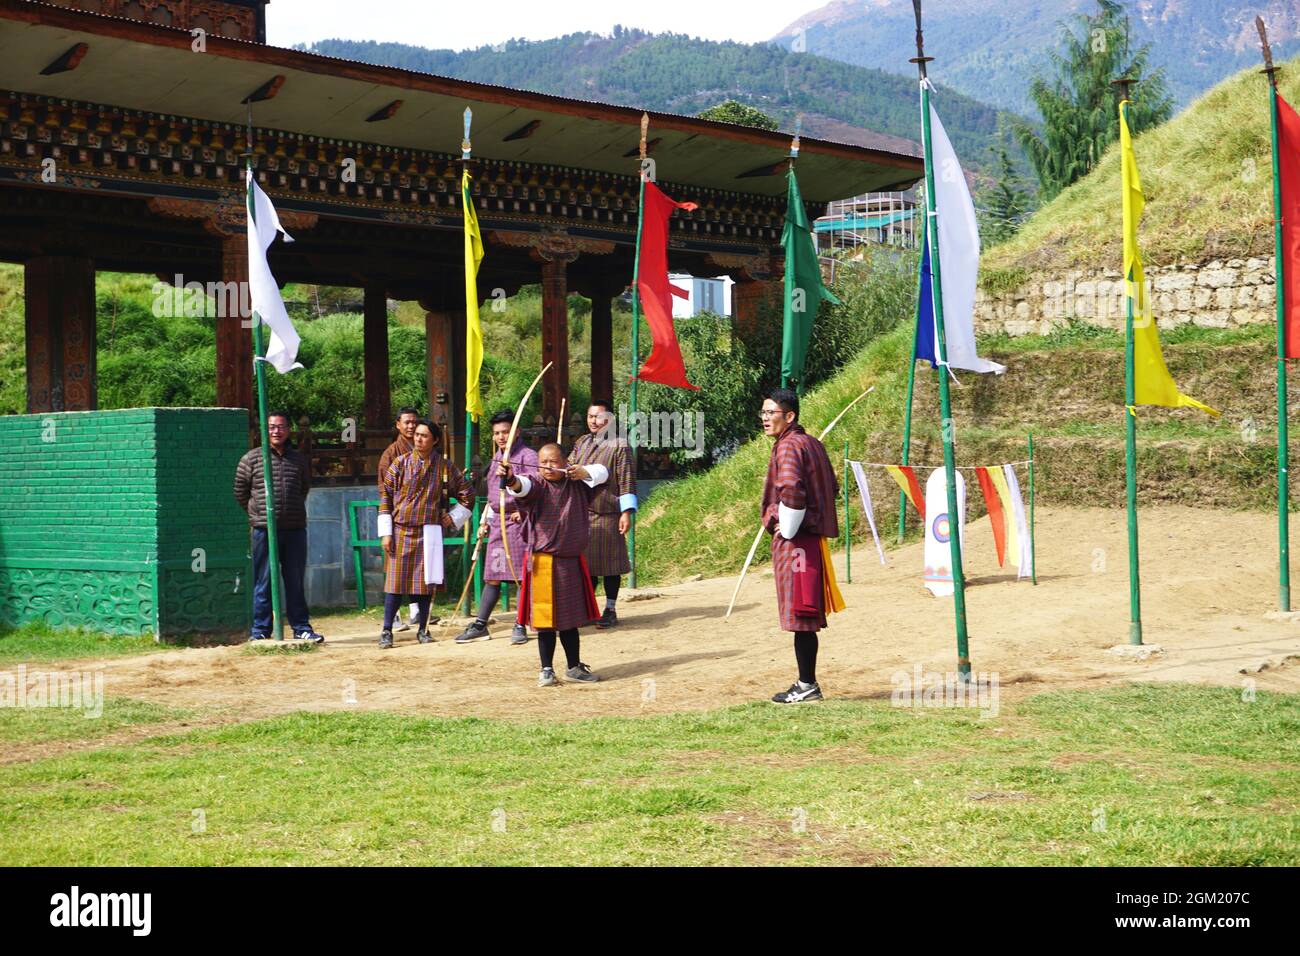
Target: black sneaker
581, 675
385, 639
608, 619
519, 635
310, 635
547, 677
423, 636
799, 693
258, 637
477, 631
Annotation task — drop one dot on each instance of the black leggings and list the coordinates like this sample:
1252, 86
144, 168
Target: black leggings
491, 594
805, 652
394, 601
546, 647
612, 582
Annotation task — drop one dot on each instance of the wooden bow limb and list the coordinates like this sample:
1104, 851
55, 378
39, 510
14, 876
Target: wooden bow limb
505, 457
559, 425
753, 548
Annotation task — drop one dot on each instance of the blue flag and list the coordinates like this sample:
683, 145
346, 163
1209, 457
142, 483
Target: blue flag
925, 312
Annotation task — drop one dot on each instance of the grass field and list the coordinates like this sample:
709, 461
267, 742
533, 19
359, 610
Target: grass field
1173, 774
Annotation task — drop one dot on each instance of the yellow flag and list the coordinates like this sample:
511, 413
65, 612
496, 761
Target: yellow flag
1152, 383
473, 329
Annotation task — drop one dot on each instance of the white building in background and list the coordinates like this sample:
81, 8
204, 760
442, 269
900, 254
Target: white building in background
705, 295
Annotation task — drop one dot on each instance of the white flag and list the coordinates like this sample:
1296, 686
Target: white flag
264, 293
959, 252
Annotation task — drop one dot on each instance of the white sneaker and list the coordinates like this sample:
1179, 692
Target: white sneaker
399, 624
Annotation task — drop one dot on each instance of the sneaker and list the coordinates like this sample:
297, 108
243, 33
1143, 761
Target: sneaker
799, 693
547, 677
385, 639
423, 636
581, 674
477, 631
608, 619
258, 637
400, 625
310, 635
519, 635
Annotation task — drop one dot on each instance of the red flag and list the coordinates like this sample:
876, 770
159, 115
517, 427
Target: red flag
1288, 161
655, 291
997, 517
905, 476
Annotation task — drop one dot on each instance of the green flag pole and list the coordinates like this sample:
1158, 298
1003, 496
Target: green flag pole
1130, 442
471, 529
636, 326
941, 347
1283, 451
259, 373
907, 415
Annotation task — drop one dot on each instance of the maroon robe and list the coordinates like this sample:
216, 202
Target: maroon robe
799, 476
557, 515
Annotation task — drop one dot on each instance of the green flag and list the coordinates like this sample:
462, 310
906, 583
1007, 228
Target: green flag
803, 286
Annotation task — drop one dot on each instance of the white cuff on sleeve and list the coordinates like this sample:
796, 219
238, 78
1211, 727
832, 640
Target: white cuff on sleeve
599, 474
627, 502
385, 526
525, 486
788, 520
459, 515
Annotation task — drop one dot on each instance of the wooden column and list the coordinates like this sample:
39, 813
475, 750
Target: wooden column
445, 368
755, 302
555, 333
60, 311
602, 346
379, 396
235, 333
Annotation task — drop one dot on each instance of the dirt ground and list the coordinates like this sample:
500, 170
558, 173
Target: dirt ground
1209, 582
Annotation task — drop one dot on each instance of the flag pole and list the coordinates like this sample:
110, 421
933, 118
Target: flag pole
941, 347
907, 416
1130, 433
636, 325
786, 331
1283, 451
259, 373
466, 149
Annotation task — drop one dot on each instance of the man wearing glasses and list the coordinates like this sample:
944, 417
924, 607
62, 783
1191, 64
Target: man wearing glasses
799, 498
291, 480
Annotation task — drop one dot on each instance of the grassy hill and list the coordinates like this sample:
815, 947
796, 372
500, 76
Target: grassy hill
1066, 388
1207, 175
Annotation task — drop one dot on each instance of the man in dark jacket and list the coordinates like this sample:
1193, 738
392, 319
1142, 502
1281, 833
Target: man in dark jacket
291, 479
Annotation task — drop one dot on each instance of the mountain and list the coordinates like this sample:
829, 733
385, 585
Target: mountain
678, 74
991, 48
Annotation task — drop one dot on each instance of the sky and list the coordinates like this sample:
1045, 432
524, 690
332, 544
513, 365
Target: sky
445, 25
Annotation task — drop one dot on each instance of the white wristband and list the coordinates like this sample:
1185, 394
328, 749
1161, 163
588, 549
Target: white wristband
598, 473
385, 525
524, 487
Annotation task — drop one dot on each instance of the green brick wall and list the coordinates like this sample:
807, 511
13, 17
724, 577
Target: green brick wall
101, 513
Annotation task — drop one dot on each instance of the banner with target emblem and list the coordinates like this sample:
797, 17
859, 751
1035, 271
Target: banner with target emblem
938, 531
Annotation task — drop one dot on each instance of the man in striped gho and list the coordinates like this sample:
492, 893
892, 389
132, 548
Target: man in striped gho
557, 596
407, 417
799, 499
501, 565
414, 512
611, 506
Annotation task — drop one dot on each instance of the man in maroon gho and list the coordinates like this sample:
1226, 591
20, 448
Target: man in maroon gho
557, 596
799, 499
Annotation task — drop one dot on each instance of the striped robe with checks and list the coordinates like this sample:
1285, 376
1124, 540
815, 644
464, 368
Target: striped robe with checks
557, 592
607, 553
411, 492
799, 476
